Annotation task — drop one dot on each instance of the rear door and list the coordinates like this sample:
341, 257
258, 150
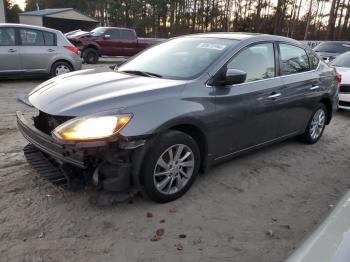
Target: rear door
36, 55
9, 52
248, 112
301, 87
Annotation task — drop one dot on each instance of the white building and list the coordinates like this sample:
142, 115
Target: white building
63, 19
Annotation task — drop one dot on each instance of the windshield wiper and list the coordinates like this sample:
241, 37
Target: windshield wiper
141, 73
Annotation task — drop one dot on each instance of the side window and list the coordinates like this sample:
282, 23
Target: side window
50, 39
257, 61
115, 34
7, 37
31, 37
127, 35
314, 61
293, 59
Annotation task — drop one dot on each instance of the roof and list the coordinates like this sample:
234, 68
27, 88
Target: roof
53, 12
45, 12
228, 35
244, 36
28, 26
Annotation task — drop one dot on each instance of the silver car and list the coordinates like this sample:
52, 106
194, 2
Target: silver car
330, 242
26, 49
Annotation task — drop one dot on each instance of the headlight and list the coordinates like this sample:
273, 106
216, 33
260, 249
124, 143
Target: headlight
93, 127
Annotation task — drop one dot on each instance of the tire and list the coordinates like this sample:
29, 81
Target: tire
170, 183
60, 68
314, 129
90, 56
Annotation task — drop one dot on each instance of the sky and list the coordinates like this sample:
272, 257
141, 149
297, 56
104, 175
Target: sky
21, 3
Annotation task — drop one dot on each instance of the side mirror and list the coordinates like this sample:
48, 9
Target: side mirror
107, 37
228, 77
234, 76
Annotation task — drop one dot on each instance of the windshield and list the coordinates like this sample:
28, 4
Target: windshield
180, 58
98, 31
333, 47
342, 60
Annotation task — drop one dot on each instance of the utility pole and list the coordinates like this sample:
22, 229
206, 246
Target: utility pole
2, 11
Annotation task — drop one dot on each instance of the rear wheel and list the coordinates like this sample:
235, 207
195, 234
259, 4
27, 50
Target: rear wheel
60, 68
171, 167
316, 125
90, 56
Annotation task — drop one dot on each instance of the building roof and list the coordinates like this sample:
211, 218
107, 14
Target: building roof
65, 13
45, 12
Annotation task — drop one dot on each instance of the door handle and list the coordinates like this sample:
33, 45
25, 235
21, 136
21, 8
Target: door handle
274, 96
314, 87
50, 50
12, 50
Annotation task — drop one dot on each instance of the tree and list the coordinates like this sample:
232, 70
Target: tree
12, 11
163, 18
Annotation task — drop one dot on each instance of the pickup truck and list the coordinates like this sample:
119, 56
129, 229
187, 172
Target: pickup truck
108, 41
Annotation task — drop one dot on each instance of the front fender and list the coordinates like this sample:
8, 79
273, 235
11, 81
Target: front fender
158, 116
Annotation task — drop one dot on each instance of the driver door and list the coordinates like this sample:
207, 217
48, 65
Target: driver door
249, 112
110, 45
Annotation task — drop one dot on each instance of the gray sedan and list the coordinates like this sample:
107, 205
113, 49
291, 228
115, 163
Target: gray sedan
31, 50
175, 109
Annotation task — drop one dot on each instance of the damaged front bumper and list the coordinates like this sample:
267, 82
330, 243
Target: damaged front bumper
112, 166
48, 145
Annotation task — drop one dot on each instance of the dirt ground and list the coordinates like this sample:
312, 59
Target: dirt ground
257, 207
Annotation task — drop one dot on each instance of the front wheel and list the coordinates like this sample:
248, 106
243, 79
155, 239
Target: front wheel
171, 166
316, 126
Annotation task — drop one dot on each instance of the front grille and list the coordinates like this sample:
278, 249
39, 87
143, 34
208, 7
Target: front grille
343, 103
47, 123
344, 89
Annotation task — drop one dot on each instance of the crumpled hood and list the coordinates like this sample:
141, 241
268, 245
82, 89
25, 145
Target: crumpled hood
86, 92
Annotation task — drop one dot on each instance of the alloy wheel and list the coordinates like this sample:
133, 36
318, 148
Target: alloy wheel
317, 124
173, 169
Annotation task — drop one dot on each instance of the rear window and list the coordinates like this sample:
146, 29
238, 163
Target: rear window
333, 47
50, 39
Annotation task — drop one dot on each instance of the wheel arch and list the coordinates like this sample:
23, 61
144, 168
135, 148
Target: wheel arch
62, 60
199, 137
94, 46
328, 104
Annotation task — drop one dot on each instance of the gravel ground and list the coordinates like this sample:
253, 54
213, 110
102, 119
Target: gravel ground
254, 208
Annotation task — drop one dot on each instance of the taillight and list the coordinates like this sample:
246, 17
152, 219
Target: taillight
338, 77
72, 48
